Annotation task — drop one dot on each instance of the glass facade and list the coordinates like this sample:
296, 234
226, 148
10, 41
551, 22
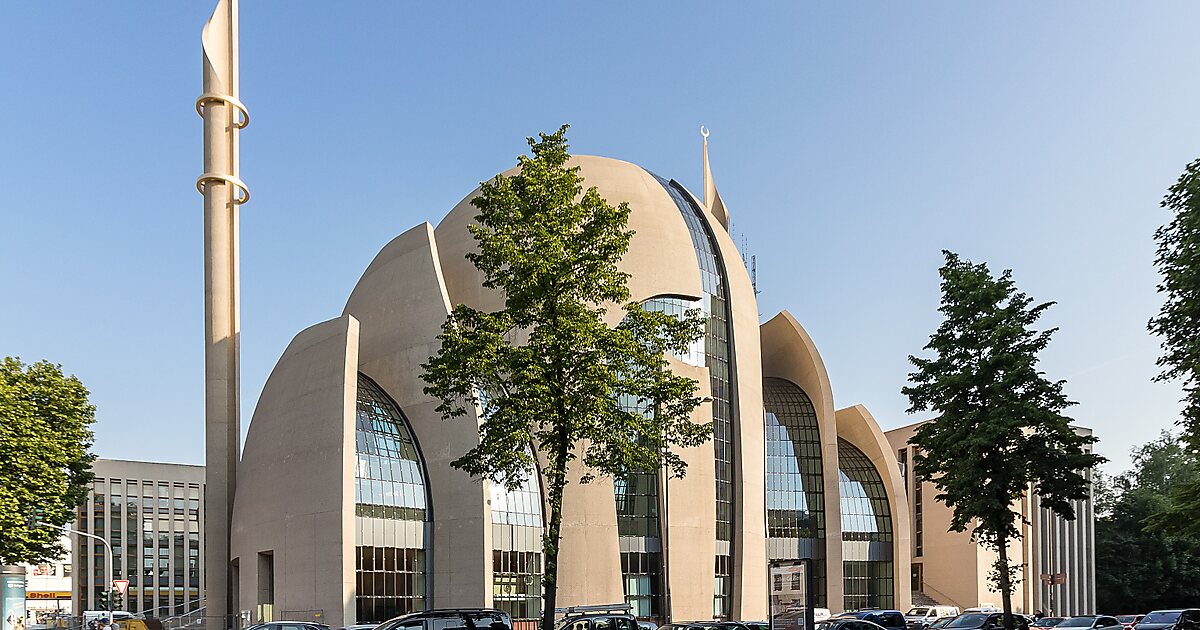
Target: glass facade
795, 480
640, 538
718, 358
678, 306
517, 546
867, 554
390, 504
154, 527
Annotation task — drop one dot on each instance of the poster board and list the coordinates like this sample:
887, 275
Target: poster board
791, 593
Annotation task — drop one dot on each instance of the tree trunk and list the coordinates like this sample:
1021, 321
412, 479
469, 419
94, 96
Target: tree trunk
558, 481
1005, 583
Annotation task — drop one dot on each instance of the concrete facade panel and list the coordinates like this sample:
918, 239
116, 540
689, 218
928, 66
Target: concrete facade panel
298, 450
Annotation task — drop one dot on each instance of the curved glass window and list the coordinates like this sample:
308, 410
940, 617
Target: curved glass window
718, 354
390, 509
640, 536
866, 531
678, 306
795, 480
388, 480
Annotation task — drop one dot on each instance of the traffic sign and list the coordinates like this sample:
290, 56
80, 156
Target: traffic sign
121, 586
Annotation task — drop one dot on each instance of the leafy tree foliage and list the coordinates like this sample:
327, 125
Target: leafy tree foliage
1178, 324
547, 369
46, 467
1140, 568
1000, 432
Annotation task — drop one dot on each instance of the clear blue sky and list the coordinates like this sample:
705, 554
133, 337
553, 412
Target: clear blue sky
851, 141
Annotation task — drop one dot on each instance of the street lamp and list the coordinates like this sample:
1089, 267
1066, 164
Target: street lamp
107, 546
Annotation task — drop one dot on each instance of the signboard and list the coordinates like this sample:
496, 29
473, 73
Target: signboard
12, 598
792, 596
48, 595
121, 586
1054, 578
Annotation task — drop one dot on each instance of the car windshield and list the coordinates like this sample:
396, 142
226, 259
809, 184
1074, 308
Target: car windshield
969, 620
1161, 617
1077, 622
918, 611
1048, 622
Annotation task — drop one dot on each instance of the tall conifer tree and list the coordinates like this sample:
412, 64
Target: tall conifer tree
1000, 433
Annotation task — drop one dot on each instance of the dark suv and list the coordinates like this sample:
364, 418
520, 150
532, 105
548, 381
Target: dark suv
890, 619
614, 617
451, 619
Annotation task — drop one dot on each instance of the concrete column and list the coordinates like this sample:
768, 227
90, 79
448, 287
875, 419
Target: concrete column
221, 308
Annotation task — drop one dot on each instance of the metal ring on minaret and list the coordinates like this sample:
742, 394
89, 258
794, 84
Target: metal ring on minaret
224, 98
704, 131
216, 177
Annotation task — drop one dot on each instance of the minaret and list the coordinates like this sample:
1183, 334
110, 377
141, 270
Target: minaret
224, 115
712, 199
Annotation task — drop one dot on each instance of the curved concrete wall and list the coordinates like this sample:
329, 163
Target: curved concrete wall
789, 353
295, 498
401, 302
857, 426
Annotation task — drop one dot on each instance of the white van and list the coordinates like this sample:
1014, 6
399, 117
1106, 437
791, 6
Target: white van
919, 617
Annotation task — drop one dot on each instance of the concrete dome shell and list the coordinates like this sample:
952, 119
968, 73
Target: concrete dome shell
661, 259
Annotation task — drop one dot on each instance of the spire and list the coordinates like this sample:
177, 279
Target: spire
712, 198
224, 193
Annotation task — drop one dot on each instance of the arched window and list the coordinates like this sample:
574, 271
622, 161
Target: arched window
867, 554
391, 509
795, 481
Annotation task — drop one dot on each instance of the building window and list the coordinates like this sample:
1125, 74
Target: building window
718, 358
517, 583
795, 479
390, 582
389, 485
640, 534
642, 573
679, 307
388, 482
918, 514
867, 552
902, 458
918, 578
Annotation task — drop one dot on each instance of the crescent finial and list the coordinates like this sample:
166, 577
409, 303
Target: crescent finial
704, 131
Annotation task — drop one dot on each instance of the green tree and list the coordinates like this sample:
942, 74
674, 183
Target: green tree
1178, 324
1140, 568
547, 369
45, 466
1000, 433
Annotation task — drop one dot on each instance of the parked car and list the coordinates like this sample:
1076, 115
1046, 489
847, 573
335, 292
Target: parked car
602, 617
1047, 622
1179, 619
891, 619
446, 618
1089, 621
941, 623
984, 621
1129, 621
848, 623
287, 625
921, 617
744, 625
647, 625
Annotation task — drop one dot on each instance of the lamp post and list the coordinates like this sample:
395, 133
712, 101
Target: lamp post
112, 556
